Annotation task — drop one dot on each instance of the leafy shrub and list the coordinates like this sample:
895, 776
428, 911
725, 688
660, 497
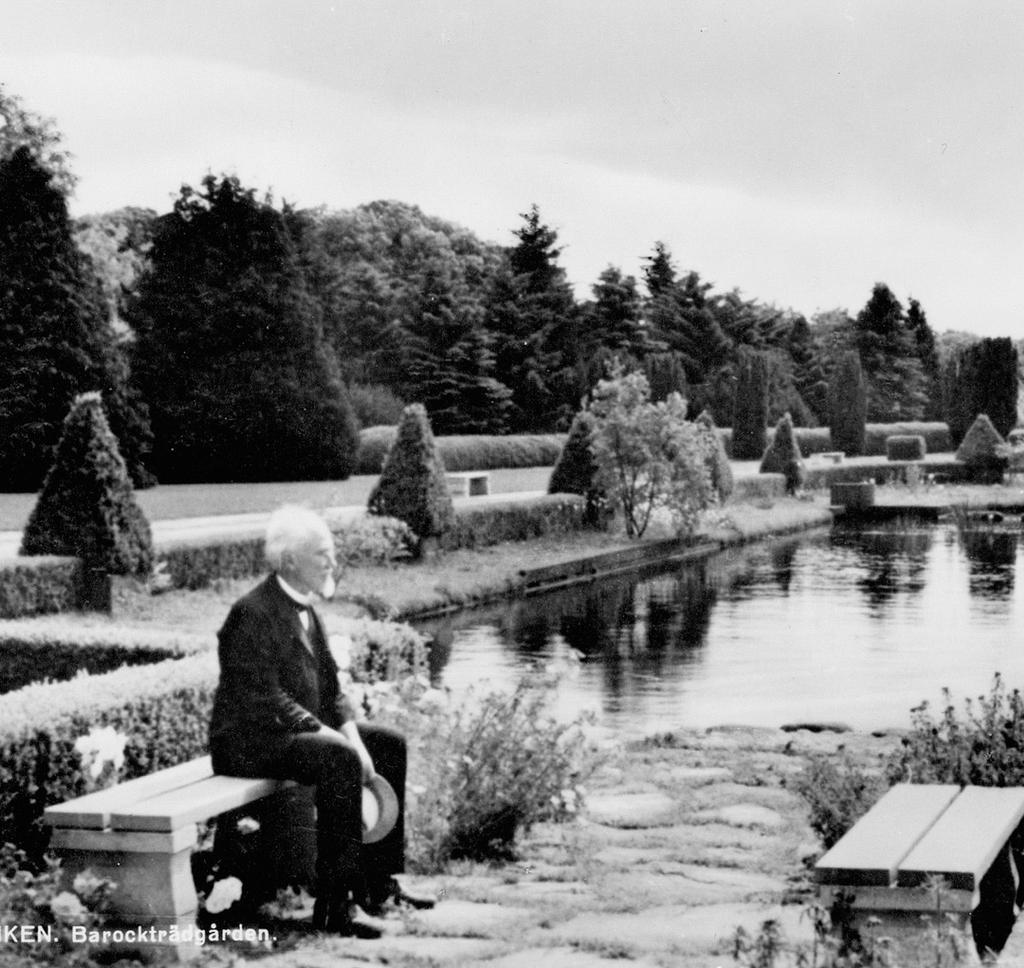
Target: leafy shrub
467, 452
982, 450
984, 747
905, 447
750, 411
649, 456
198, 562
839, 791
489, 770
412, 485
38, 585
373, 540
374, 405
87, 507
36, 654
848, 404
783, 456
515, 520
719, 468
577, 472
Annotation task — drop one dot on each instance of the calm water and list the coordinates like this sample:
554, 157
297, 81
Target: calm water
850, 626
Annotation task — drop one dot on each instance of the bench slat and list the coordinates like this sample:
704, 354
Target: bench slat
870, 852
198, 801
966, 839
93, 810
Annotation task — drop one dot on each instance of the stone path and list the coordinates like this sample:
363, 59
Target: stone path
681, 844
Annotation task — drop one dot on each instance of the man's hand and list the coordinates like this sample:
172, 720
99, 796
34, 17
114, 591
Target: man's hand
349, 735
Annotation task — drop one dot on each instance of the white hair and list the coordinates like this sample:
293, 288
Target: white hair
290, 527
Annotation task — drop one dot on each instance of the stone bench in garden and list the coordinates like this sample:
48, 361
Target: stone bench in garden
468, 483
141, 835
889, 860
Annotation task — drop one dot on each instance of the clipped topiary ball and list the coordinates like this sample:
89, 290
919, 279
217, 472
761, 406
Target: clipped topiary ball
87, 507
783, 455
576, 470
718, 464
412, 485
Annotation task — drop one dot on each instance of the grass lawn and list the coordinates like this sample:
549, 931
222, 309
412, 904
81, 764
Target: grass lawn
198, 500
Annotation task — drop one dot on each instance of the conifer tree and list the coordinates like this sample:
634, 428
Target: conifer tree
55, 336
783, 455
750, 411
412, 484
981, 450
576, 471
87, 508
719, 468
848, 405
230, 350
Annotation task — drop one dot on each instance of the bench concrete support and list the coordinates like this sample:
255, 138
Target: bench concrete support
152, 873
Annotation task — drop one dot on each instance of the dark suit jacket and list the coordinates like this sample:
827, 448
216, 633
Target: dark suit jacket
270, 685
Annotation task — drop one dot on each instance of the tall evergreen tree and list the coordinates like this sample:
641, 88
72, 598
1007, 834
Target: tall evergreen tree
750, 411
613, 320
55, 335
848, 403
532, 315
984, 379
890, 360
923, 340
660, 272
230, 348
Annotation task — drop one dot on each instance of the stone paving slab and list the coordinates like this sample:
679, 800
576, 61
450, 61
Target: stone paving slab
633, 811
471, 919
564, 957
709, 928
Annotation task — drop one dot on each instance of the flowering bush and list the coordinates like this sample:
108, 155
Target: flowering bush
102, 754
482, 773
648, 455
43, 910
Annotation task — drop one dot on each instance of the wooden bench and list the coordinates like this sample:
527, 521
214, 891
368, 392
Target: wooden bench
141, 834
915, 832
469, 483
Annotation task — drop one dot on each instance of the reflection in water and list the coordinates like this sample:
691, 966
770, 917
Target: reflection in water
991, 554
856, 626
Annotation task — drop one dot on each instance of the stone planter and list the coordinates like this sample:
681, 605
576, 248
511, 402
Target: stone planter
858, 494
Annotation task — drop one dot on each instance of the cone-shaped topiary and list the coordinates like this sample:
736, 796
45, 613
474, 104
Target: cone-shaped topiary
783, 455
980, 450
718, 464
87, 507
576, 470
412, 485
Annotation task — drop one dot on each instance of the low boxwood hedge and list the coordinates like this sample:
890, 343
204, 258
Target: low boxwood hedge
35, 654
515, 520
905, 447
197, 562
38, 585
467, 452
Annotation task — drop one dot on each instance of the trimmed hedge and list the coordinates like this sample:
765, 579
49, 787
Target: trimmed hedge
884, 472
198, 562
33, 654
818, 440
466, 452
905, 447
40, 585
496, 521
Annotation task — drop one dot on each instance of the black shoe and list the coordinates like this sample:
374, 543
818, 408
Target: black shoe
343, 919
389, 889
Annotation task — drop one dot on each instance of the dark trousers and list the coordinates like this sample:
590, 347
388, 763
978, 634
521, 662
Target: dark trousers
343, 861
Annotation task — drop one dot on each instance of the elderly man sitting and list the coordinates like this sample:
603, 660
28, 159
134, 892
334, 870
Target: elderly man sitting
279, 713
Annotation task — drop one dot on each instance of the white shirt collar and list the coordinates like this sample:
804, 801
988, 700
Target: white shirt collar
306, 600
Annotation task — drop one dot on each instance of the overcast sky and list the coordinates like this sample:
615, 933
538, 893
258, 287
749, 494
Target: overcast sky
799, 150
